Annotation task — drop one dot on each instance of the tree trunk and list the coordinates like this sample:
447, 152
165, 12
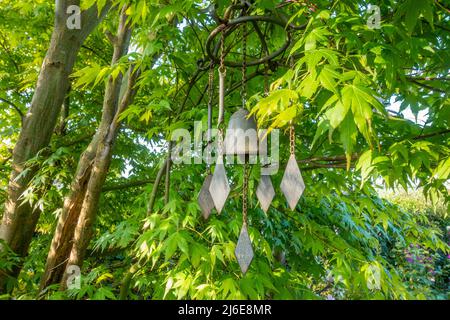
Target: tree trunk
61, 242
74, 226
83, 231
19, 220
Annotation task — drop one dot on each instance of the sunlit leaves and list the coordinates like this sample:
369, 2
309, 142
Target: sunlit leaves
91, 76
328, 78
348, 136
337, 114
442, 171
364, 164
279, 108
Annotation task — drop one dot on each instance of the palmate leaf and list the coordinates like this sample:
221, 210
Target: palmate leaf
229, 287
348, 134
351, 112
364, 164
327, 78
308, 86
87, 76
443, 170
286, 116
322, 127
275, 104
337, 114
361, 102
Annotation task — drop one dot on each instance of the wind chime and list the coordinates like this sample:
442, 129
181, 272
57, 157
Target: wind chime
215, 189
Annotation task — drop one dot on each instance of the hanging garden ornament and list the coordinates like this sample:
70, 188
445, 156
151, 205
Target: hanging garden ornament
204, 199
219, 187
265, 191
244, 143
244, 251
234, 17
242, 140
292, 184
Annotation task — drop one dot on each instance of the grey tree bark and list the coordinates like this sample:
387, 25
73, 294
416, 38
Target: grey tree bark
19, 220
73, 231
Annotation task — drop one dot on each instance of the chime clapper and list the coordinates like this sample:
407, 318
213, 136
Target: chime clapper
204, 198
219, 187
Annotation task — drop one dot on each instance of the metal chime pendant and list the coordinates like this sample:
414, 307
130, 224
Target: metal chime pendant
265, 192
219, 187
244, 251
205, 200
292, 184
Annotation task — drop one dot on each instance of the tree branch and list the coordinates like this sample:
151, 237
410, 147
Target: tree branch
15, 108
158, 179
426, 86
168, 167
429, 135
127, 185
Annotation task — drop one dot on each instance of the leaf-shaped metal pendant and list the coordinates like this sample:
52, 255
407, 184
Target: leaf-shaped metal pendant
292, 184
204, 199
244, 250
265, 192
219, 187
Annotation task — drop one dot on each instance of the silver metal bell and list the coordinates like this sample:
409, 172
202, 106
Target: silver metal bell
241, 136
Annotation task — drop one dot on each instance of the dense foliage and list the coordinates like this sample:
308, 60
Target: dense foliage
345, 87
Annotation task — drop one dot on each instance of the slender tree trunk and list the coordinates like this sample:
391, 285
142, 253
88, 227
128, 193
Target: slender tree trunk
19, 220
62, 238
83, 231
74, 226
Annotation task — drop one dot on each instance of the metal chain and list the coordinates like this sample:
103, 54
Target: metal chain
244, 100
210, 109
291, 128
245, 194
244, 65
222, 72
292, 139
210, 99
220, 142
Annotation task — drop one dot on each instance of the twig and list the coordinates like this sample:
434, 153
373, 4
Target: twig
127, 185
